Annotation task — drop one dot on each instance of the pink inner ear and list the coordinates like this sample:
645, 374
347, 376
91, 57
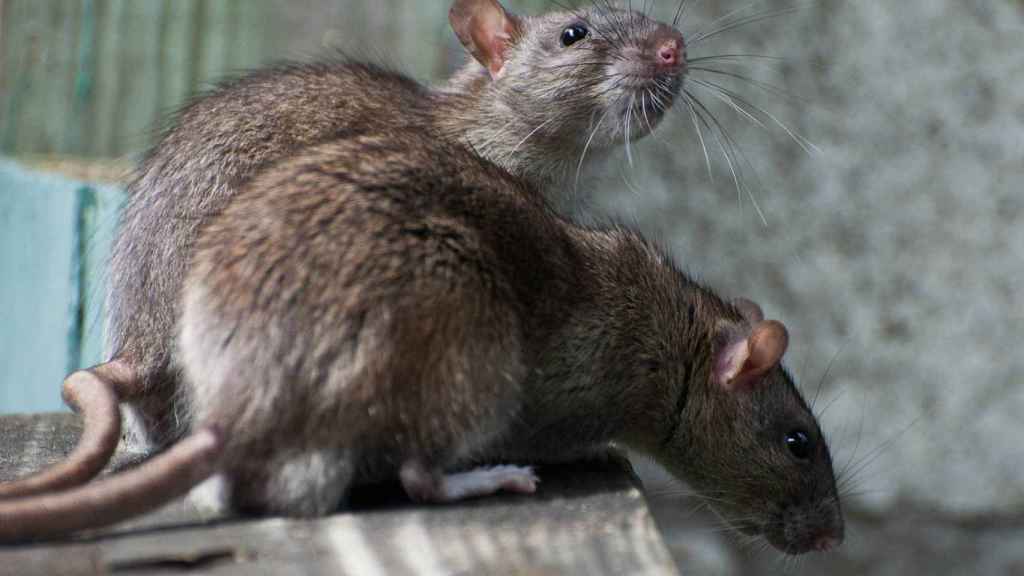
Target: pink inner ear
743, 362
730, 361
485, 29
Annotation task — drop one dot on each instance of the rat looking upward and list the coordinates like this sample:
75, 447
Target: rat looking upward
539, 93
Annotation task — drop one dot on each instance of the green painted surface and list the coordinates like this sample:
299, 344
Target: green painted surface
54, 237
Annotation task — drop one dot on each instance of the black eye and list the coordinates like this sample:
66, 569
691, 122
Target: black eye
574, 34
799, 444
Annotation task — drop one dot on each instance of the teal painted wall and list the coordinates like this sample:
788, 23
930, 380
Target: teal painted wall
54, 238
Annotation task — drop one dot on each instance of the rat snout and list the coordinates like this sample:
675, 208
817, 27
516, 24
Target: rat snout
668, 47
816, 527
827, 543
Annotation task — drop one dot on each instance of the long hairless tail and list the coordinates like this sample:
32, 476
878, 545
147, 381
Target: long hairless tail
116, 497
95, 394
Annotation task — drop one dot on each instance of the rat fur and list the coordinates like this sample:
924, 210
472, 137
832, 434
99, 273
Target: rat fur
378, 308
526, 101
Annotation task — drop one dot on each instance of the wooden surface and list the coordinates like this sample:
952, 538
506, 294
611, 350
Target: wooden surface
588, 519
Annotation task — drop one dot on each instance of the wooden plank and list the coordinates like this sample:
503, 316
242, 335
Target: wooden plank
588, 518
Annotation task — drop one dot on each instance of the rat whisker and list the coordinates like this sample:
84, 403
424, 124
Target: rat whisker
569, 65
873, 455
730, 102
618, 28
626, 133
806, 145
824, 376
586, 147
527, 137
732, 155
856, 447
741, 59
767, 15
830, 403
769, 88
700, 136
680, 15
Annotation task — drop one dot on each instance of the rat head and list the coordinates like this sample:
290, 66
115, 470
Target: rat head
747, 441
574, 80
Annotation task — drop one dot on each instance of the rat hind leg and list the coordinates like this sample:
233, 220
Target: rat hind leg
424, 485
297, 483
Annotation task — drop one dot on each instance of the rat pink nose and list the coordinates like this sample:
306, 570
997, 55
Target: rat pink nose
826, 543
670, 53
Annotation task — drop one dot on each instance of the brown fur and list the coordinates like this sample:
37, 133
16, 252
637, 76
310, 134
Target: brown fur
375, 302
481, 327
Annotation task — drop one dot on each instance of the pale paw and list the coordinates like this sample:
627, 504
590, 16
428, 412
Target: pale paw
485, 481
210, 498
424, 486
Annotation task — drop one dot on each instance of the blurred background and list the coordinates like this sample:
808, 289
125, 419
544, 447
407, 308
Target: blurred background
890, 244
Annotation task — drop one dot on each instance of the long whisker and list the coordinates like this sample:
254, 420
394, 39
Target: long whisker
732, 156
769, 88
808, 147
730, 102
583, 155
743, 22
700, 136
680, 15
626, 130
532, 132
739, 58
824, 376
871, 456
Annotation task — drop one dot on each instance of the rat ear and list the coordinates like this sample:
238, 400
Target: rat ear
742, 362
750, 311
486, 30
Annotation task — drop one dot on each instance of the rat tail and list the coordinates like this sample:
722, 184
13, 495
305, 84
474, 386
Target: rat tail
95, 394
116, 498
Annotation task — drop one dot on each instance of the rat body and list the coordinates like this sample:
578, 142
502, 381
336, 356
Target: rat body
541, 95
375, 308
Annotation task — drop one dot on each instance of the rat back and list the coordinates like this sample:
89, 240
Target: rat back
214, 145
363, 306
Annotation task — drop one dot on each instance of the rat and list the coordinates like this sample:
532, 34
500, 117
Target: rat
539, 95
376, 308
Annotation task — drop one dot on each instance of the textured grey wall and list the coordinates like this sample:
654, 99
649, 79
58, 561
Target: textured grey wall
897, 250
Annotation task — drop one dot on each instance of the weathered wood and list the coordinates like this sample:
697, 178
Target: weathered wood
588, 518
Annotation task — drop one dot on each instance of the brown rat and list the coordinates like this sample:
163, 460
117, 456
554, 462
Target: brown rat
376, 308
542, 93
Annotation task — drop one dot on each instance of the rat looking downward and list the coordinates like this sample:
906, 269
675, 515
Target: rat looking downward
375, 308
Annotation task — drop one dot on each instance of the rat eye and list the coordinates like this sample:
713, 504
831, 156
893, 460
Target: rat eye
799, 444
574, 34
